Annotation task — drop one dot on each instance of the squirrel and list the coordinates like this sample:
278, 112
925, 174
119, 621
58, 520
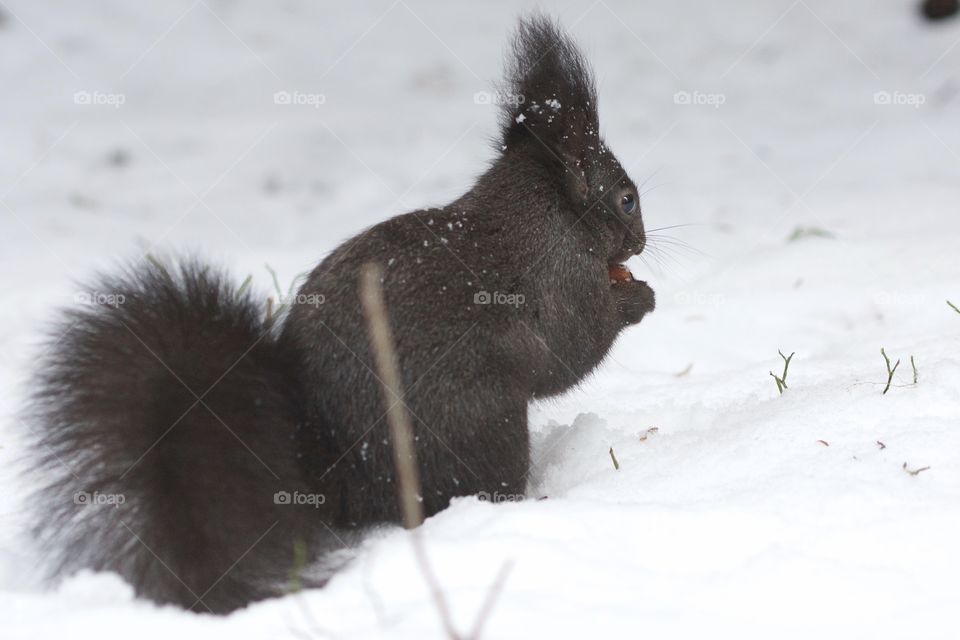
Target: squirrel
202, 448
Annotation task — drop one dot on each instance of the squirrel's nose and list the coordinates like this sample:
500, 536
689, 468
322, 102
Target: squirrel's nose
642, 244
638, 236
635, 242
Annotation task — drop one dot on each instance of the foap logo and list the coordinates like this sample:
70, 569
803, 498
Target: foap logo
297, 498
698, 298
85, 498
498, 297
498, 98
99, 98
900, 299
699, 98
114, 300
899, 99
497, 497
299, 98
304, 299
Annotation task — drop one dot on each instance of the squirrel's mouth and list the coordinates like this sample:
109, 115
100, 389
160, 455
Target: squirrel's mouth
619, 272
616, 269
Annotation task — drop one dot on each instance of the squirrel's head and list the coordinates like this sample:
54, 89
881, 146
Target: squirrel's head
550, 108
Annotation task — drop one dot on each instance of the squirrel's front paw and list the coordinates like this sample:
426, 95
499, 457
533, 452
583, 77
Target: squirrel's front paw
634, 300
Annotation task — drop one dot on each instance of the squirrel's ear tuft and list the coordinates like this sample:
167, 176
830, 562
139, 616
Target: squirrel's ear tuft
549, 93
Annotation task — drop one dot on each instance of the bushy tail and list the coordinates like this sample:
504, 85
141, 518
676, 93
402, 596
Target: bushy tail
166, 420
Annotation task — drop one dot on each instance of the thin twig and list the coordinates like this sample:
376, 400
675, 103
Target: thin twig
782, 380
491, 600
649, 432
616, 465
780, 385
809, 232
890, 371
295, 581
401, 431
914, 472
276, 281
916, 376
953, 306
282, 300
405, 461
786, 365
684, 372
244, 285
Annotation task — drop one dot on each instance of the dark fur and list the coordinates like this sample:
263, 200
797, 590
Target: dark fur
299, 408
118, 402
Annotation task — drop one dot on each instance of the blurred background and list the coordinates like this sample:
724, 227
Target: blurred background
268, 133
159, 124
800, 158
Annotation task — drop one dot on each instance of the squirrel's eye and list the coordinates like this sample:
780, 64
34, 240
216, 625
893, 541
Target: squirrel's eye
628, 203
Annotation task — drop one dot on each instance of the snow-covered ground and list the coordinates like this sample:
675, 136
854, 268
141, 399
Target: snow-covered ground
746, 513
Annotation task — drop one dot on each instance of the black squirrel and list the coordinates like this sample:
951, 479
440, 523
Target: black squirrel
202, 449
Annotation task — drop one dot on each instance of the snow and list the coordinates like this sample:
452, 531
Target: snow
746, 513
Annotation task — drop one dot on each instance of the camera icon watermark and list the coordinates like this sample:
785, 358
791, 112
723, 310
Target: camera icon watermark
298, 498
99, 98
97, 298
299, 98
901, 299
498, 98
498, 297
86, 498
496, 497
899, 98
305, 299
699, 98
699, 298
